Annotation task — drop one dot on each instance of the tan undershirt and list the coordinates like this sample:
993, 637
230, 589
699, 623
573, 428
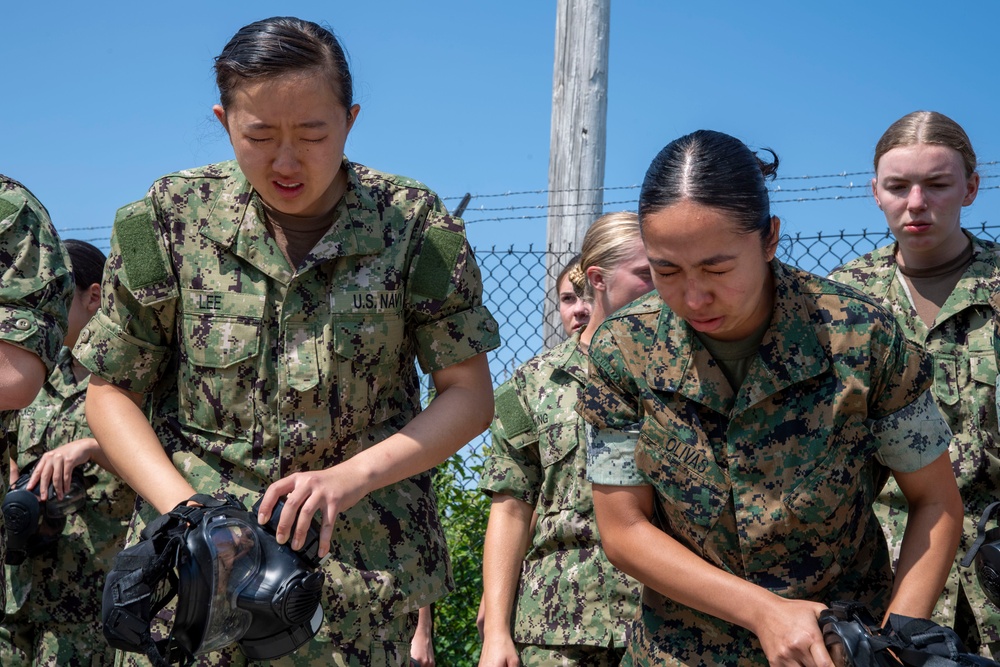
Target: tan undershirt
296, 236
929, 288
735, 356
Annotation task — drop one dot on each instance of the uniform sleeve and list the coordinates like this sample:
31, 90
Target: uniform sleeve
36, 281
901, 371
514, 466
445, 296
913, 436
128, 341
903, 417
609, 405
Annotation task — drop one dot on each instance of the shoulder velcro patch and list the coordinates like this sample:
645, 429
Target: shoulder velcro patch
140, 255
436, 263
6, 208
511, 413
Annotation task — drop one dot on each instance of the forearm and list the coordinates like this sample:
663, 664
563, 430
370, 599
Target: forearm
461, 410
933, 531
926, 556
98, 457
507, 538
638, 548
131, 446
659, 561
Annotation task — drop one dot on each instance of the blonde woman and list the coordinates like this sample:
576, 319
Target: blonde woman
569, 606
937, 279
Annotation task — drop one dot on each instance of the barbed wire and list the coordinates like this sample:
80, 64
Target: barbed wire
843, 174
472, 213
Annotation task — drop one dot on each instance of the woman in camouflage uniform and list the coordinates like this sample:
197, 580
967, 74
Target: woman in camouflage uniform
569, 605
938, 280
735, 417
268, 313
36, 288
574, 309
54, 597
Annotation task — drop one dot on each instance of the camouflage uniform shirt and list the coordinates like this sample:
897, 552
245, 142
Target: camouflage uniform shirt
960, 342
255, 370
569, 594
775, 483
63, 587
36, 288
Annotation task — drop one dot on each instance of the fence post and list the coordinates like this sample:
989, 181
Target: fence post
578, 139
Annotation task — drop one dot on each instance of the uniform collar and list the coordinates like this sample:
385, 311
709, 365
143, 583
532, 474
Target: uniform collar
62, 380
977, 284
977, 281
568, 357
237, 223
789, 353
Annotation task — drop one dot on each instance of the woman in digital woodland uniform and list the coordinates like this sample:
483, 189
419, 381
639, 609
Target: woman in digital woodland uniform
269, 312
36, 288
937, 279
570, 606
54, 599
743, 406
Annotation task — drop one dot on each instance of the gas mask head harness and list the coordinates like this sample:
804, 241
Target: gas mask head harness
34, 525
986, 553
233, 582
854, 638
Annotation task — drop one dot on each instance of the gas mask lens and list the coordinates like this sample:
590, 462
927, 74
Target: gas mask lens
236, 559
838, 639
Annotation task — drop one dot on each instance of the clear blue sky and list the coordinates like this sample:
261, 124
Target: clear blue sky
99, 99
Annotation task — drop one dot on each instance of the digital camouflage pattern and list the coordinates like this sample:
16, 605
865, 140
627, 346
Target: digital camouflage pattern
54, 598
36, 288
577, 656
774, 483
255, 371
569, 594
960, 343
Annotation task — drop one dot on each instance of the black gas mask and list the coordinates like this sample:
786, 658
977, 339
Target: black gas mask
854, 638
33, 525
986, 553
233, 582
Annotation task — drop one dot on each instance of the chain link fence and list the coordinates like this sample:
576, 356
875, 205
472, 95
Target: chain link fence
513, 289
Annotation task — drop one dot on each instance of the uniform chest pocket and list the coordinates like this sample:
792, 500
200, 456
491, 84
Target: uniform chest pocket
840, 486
692, 488
946, 380
564, 466
218, 371
982, 399
370, 369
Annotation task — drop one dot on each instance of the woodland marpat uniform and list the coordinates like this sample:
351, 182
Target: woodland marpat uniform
775, 483
54, 598
960, 343
569, 594
36, 288
257, 371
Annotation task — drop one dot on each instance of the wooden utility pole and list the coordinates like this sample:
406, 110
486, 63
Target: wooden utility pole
577, 144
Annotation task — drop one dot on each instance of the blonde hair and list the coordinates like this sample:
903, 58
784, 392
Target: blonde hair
608, 242
567, 272
927, 127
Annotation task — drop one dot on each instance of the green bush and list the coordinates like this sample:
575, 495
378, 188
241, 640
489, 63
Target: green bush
464, 511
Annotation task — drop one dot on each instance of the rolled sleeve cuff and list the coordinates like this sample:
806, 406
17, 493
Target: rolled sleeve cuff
611, 457
509, 477
32, 331
913, 436
121, 359
455, 338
